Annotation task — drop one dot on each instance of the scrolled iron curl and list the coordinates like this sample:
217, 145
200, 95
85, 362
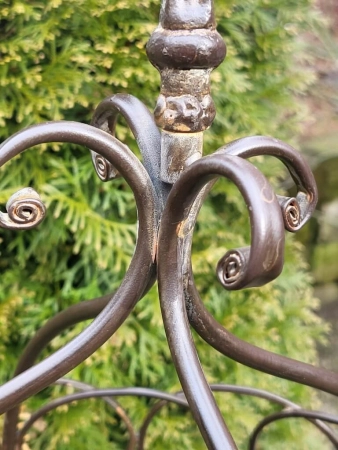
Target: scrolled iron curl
296, 210
253, 266
25, 210
239, 268
233, 269
292, 213
141, 272
148, 138
232, 266
104, 169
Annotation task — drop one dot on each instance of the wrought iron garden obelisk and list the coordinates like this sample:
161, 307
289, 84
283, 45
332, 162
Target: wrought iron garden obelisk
169, 188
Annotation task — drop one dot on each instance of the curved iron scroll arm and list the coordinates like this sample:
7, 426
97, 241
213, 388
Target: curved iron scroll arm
148, 139
53, 327
204, 323
301, 413
110, 401
143, 127
99, 393
88, 392
250, 355
296, 211
241, 390
260, 263
137, 278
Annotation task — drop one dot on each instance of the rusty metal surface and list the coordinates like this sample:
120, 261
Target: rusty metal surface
178, 151
185, 48
169, 189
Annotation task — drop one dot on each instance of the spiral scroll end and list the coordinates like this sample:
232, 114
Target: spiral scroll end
231, 268
292, 213
104, 169
25, 210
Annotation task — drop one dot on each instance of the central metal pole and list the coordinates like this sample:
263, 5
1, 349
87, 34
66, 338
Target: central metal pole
185, 48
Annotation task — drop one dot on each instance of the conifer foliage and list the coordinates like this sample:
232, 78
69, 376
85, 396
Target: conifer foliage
59, 59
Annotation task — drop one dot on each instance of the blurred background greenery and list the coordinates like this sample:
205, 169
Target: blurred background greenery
59, 59
319, 142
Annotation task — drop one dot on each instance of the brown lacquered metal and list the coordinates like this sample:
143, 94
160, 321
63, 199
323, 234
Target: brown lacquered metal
207, 327
56, 325
240, 390
264, 264
110, 401
302, 413
140, 271
307, 195
105, 394
169, 189
143, 127
250, 355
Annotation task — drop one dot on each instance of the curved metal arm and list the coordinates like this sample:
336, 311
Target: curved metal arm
241, 390
99, 393
261, 263
110, 401
250, 355
53, 327
143, 127
302, 413
296, 211
138, 275
73, 315
203, 322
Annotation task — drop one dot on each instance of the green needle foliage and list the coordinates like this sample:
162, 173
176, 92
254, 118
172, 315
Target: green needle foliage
59, 59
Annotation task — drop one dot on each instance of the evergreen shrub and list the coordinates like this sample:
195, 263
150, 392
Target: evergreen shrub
59, 59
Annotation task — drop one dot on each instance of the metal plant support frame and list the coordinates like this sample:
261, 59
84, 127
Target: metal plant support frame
169, 189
